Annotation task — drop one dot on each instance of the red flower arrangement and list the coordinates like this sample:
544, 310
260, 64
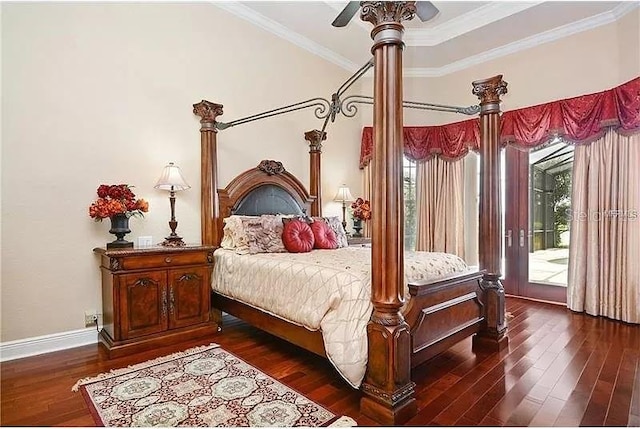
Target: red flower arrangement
117, 199
361, 209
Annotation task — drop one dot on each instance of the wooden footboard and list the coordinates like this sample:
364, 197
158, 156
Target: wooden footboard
443, 312
440, 313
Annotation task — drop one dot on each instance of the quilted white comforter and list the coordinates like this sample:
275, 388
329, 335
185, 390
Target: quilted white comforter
328, 290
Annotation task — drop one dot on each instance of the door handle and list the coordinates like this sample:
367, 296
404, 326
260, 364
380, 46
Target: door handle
509, 238
172, 300
164, 303
522, 238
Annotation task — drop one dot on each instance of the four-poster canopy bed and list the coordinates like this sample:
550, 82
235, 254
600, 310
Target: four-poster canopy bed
439, 312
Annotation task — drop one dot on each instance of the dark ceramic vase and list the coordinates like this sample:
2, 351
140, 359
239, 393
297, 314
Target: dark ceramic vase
357, 227
120, 228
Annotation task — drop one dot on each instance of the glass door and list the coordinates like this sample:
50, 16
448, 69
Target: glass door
537, 208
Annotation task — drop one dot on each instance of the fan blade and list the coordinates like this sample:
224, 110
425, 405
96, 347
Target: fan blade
347, 13
426, 10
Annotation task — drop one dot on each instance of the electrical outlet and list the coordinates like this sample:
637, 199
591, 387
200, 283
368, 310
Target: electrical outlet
90, 318
145, 241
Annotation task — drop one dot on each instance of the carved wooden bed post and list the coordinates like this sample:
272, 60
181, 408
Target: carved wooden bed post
493, 330
210, 219
388, 390
315, 139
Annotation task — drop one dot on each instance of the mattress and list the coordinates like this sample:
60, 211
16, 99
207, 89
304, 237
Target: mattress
327, 290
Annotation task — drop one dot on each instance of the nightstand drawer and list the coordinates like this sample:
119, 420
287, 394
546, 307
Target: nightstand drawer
164, 260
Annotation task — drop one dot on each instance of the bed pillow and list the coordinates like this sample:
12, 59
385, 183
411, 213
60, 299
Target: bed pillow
297, 236
263, 235
323, 235
335, 224
234, 235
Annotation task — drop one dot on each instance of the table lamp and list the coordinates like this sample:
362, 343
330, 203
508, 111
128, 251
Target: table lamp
171, 180
344, 196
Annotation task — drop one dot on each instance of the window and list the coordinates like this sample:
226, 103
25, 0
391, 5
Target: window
409, 188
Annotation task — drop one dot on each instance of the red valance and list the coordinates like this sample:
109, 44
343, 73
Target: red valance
451, 141
580, 120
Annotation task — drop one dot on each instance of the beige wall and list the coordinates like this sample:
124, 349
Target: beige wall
629, 45
96, 93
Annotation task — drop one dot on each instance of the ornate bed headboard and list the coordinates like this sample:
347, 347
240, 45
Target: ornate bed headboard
210, 204
265, 189
267, 199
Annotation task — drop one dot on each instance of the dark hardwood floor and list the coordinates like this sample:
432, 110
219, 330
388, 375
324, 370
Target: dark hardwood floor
560, 369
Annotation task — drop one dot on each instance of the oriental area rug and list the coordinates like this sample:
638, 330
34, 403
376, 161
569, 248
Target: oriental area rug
203, 386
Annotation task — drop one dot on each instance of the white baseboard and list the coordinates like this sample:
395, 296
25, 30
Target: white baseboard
10, 350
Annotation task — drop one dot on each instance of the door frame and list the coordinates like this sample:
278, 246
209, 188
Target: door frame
517, 235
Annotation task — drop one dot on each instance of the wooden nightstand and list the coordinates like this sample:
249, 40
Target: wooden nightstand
154, 296
359, 241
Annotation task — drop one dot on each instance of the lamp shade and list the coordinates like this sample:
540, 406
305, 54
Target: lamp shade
171, 179
343, 195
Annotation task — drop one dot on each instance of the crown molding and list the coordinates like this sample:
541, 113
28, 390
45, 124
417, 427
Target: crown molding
472, 20
526, 43
250, 15
624, 8
485, 14
465, 23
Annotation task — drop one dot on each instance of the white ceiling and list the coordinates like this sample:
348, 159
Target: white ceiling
463, 34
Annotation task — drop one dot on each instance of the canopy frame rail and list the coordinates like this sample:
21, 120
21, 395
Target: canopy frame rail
329, 110
322, 110
349, 109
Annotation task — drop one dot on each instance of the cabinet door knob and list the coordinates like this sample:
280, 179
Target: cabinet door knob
167, 260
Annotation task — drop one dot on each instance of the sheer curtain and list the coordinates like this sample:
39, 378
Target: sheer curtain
604, 254
440, 202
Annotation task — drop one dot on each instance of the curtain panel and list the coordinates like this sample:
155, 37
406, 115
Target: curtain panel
440, 206
580, 119
604, 250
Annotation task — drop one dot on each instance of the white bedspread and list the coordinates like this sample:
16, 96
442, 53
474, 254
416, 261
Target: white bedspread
328, 290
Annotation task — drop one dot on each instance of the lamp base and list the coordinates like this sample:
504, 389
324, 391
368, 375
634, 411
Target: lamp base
173, 241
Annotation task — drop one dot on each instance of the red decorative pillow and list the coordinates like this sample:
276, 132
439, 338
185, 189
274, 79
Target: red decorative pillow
297, 237
324, 236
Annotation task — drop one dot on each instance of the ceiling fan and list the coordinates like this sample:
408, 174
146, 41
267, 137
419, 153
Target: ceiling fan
424, 9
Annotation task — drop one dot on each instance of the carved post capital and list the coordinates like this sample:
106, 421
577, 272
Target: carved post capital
387, 17
489, 92
208, 113
384, 12
315, 139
